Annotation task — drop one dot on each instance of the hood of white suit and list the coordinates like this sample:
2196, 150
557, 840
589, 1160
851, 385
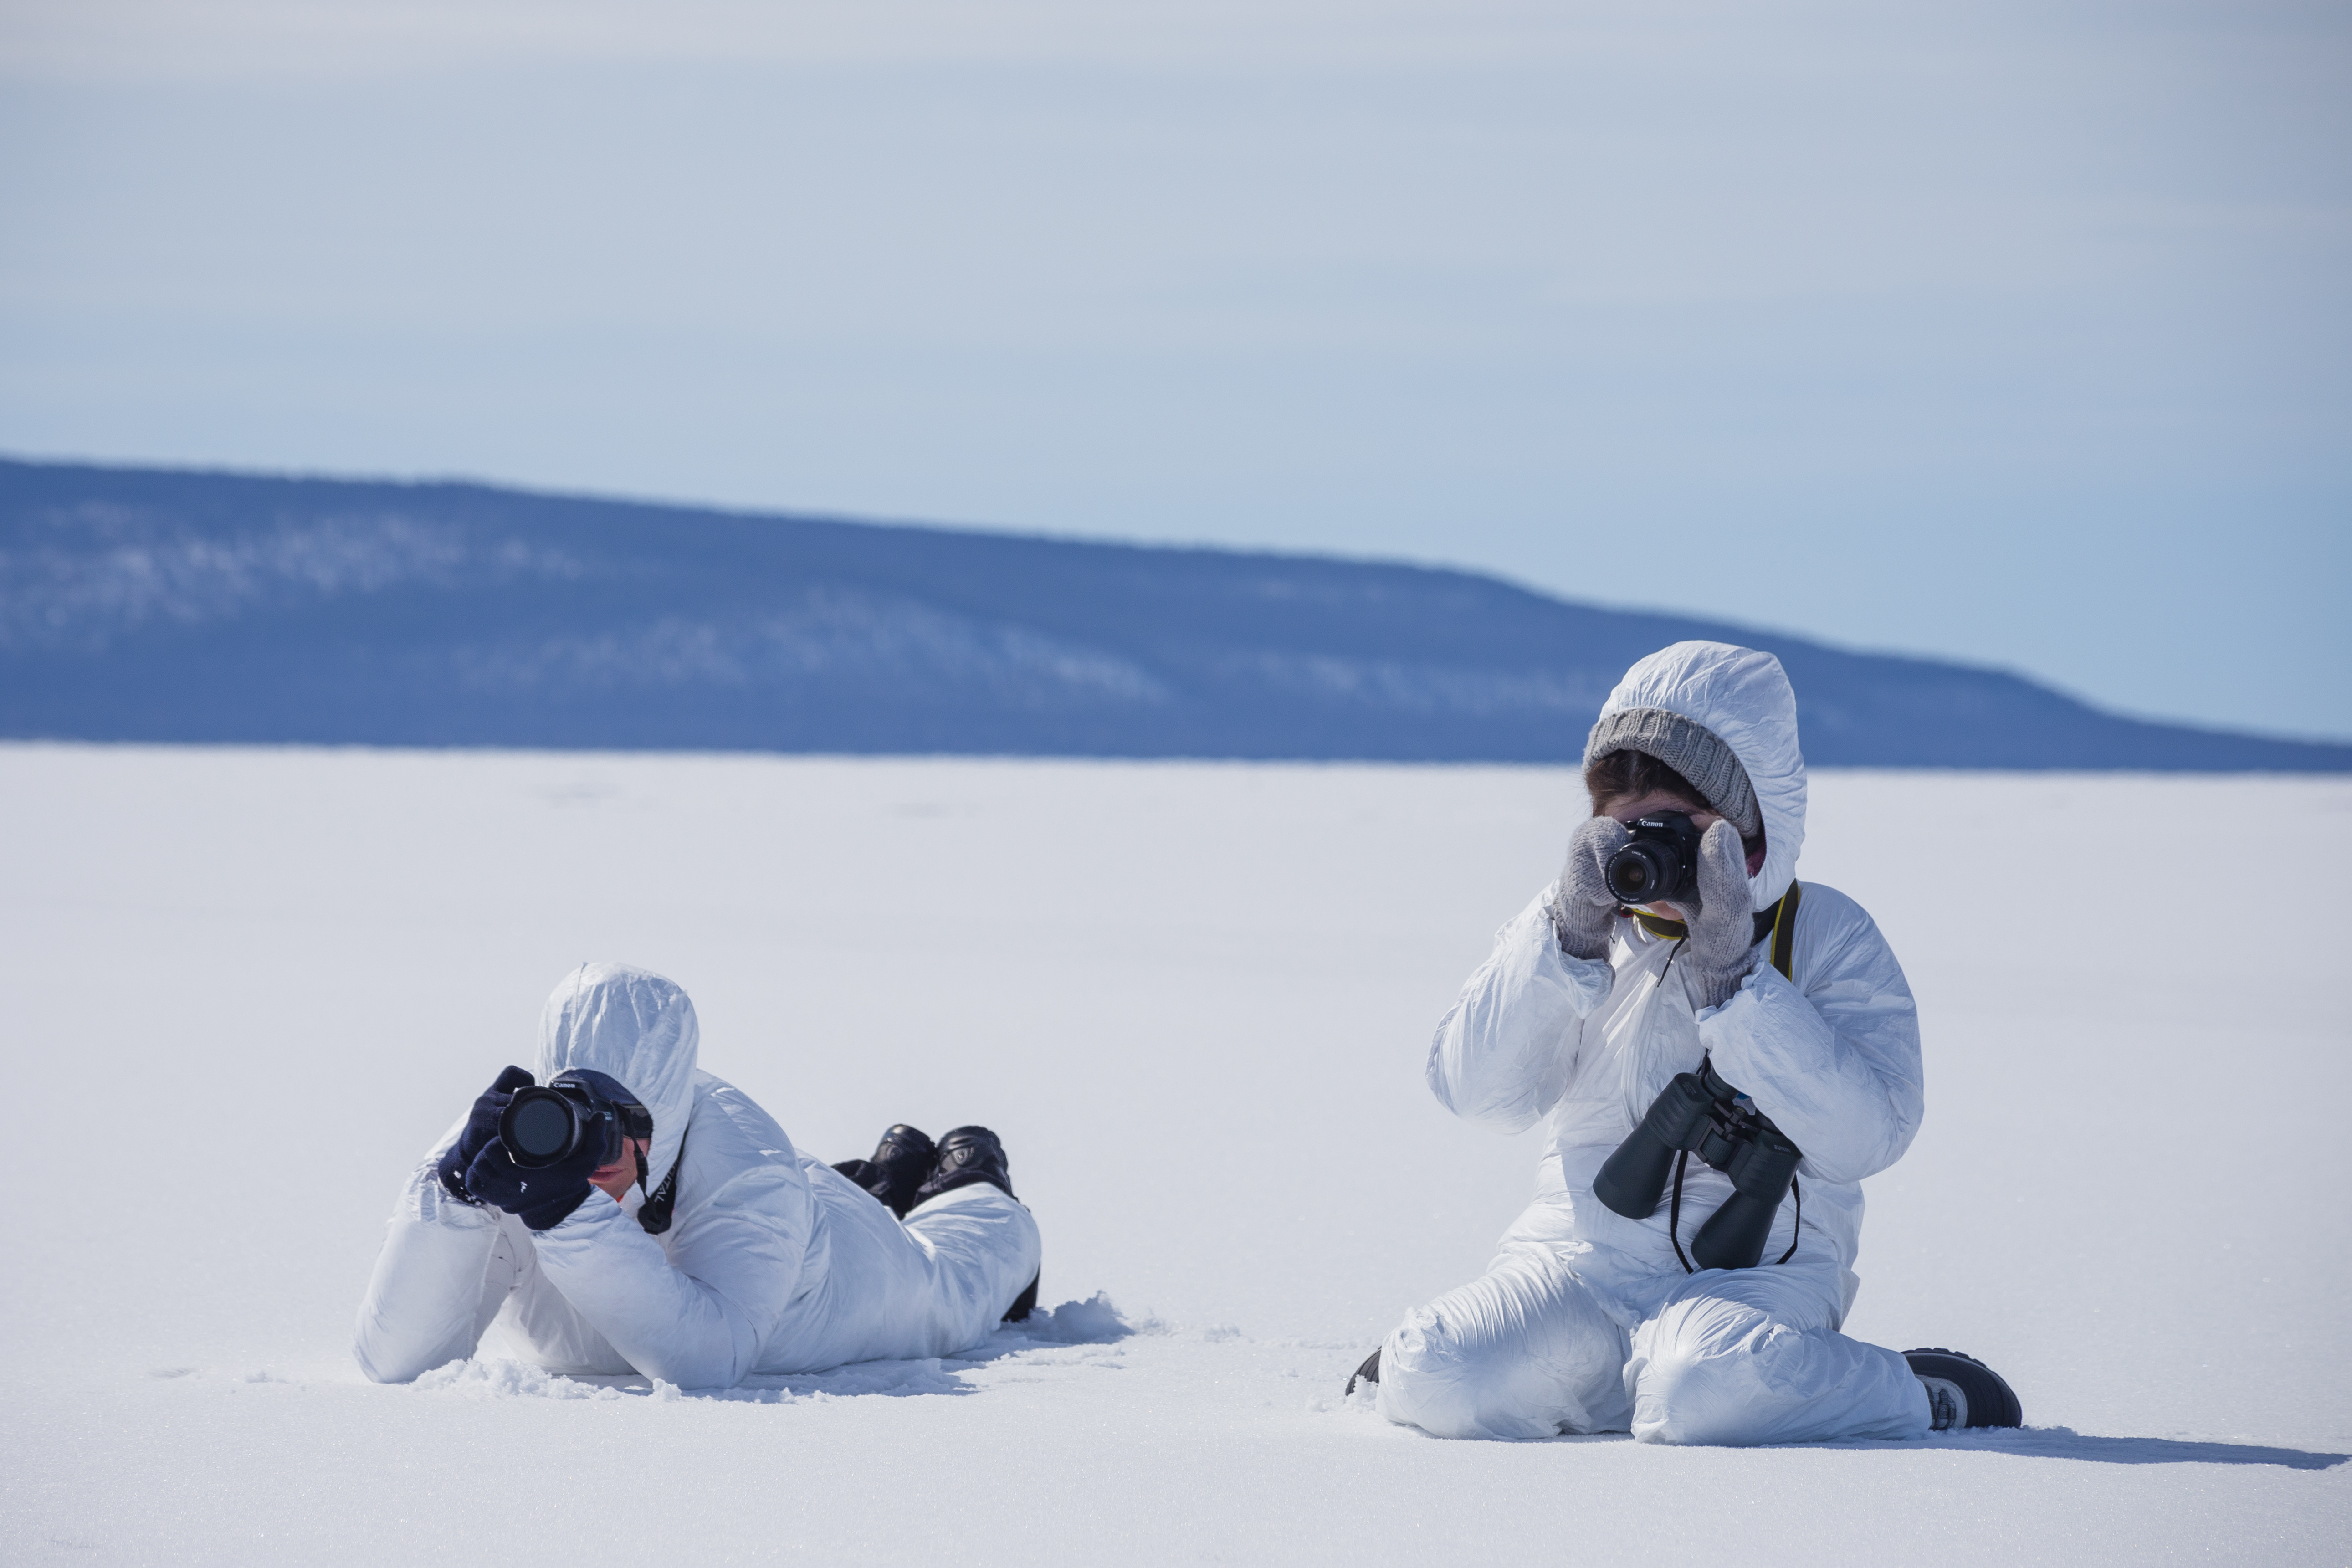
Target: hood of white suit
1742, 698
631, 1025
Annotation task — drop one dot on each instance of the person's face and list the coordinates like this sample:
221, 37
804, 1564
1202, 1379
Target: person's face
614, 1179
1633, 808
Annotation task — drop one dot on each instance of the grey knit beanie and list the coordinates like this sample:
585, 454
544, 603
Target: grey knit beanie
1691, 750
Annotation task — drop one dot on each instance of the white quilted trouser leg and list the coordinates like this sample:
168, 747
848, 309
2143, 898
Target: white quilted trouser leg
1524, 1350
1747, 1356
933, 1286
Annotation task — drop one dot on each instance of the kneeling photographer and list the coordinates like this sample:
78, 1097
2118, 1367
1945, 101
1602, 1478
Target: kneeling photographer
621, 1211
1718, 1056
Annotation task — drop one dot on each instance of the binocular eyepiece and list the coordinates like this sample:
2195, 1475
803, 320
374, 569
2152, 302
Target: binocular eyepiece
1699, 1113
1660, 861
545, 1125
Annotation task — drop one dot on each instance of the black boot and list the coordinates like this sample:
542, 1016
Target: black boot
1368, 1373
1964, 1392
967, 1154
901, 1162
975, 1155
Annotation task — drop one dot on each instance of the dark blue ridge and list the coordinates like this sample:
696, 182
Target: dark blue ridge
152, 605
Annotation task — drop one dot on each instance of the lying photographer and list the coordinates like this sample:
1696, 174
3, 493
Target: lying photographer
1681, 1015
631, 1213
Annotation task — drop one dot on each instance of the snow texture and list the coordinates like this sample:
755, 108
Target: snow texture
247, 988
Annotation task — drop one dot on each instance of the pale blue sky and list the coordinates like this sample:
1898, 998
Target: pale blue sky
2016, 333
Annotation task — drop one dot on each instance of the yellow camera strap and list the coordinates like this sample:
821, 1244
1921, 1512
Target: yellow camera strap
1784, 930
1779, 922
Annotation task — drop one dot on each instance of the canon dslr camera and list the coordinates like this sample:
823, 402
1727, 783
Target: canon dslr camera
547, 1124
1661, 862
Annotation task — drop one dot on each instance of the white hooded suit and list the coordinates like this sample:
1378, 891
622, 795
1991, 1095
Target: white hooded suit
1588, 1322
773, 1262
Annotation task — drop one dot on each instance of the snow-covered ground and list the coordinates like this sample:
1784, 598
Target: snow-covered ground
246, 988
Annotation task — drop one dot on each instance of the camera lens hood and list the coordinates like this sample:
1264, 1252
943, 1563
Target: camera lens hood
539, 1126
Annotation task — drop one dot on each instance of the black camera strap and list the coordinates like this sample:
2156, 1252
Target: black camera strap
655, 1212
1674, 1214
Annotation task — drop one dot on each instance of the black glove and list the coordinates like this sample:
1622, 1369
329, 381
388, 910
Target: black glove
481, 1126
540, 1198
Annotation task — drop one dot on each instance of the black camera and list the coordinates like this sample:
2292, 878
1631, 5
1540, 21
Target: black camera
546, 1125
1661, 862
1699, 1113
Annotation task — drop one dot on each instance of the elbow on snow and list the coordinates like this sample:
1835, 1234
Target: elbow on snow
690, 1375
380, 1367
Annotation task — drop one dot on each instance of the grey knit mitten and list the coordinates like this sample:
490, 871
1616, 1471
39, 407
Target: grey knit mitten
1584, 911
1722, 945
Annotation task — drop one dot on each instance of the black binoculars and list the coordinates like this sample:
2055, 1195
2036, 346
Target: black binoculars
544, 1125
1700, 1114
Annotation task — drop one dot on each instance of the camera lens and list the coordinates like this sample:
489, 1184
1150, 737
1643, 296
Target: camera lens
539, 1129
1637, 875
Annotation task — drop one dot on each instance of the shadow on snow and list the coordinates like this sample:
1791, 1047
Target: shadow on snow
2061, 1443
1072, 1324
2065, 1443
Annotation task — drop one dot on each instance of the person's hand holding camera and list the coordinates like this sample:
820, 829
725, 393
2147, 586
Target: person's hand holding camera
481, 1126
1722, 945
541, 1196
1584, 911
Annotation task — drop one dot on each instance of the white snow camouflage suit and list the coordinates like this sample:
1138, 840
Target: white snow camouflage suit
773, 1262
1587, 1321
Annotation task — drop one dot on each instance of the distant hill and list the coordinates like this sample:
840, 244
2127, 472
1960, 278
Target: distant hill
151, 604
